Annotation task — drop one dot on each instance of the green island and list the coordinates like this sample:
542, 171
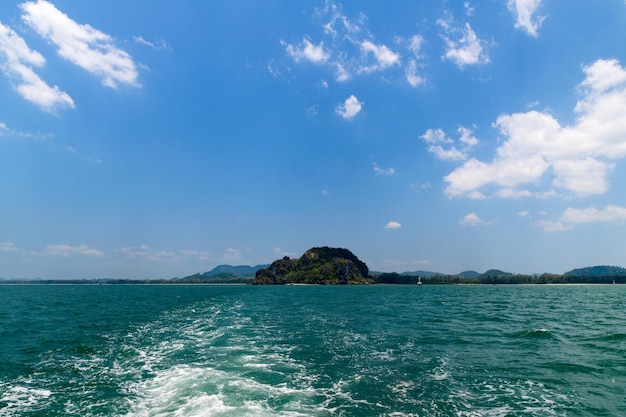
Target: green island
317, 266
339, 266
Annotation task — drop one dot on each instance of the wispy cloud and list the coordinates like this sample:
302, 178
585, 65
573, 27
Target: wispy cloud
578, 157
463, 47
68, 250
524, 12
231, 255
280, 252
145, 252
81, 44
158, 44
349, 49
17, 61
393, 225
383, 171
350, 108
8, 247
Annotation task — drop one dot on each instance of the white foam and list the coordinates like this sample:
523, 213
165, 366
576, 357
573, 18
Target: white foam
20, 398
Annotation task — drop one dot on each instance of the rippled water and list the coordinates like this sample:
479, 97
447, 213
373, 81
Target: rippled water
312, 351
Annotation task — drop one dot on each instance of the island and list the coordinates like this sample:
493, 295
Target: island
321, 266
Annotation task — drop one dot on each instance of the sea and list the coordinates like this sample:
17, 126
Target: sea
377, 350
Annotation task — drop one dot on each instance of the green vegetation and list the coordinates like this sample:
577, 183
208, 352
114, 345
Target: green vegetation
590, 275
317, 266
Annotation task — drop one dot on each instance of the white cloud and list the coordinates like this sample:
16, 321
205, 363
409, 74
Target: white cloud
67, 250
577, 157
467, 138
350, 108
231, 255
349, 49
306, 50
279, 252
451, 154
384, 56
415, 45
523, 10
611, 213
393, 225
380, 171
341, 74
8, 247
411, 74
145, 252
466, 48
472, 219
437, 137
572, 216
158, 44
16, 61
82, 45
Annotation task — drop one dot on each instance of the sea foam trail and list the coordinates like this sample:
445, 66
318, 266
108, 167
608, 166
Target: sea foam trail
321, 351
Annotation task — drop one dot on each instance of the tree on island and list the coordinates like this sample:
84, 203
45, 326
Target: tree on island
322, 265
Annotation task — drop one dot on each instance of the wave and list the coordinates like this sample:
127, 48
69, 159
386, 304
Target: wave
540, 334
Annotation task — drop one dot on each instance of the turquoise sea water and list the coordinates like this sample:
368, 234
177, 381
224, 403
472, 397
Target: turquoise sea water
312, 351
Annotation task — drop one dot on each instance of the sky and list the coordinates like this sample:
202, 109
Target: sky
152, 139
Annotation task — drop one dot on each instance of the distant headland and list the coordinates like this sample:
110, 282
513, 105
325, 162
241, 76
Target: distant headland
338, 266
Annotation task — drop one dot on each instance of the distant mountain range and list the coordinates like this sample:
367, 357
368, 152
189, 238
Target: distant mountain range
229, 271
239, 271
591, 271
243, 273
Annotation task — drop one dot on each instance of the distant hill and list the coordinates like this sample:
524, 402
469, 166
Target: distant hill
421, 273
495, 273
239, 271
322, 265
597, 271
469, 274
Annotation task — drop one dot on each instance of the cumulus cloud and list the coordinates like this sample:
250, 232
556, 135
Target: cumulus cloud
307, 51
463, 47
578, 157
349, 49
472, 219
524, 11
384, 57
393, 225
350, 108
80, 44
17, 61
443, 146
68, 250
572, 216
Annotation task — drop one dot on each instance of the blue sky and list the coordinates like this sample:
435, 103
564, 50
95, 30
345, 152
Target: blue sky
149, 140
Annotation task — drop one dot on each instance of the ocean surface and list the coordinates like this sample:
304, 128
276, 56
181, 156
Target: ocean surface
208, 350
